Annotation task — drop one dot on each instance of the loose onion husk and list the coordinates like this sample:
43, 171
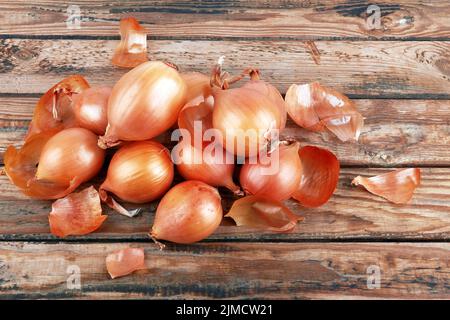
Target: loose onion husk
278, 178
125, 261
132, 48
316, 107
76, 214
90, 108
189, 212
144, 103
320, 176
72, 158
54, 110
139, 172
259, 212
208, 168
397, 186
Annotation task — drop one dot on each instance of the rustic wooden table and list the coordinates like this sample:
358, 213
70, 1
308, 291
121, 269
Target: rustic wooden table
399, 76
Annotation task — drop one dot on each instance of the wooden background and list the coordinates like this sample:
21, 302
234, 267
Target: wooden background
399, 77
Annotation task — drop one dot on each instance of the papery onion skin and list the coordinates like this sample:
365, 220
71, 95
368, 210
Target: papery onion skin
241, 109
316, 107
70, 153
57, 102
259, 212
139, 172
214, 171
132, 48
397, 186
21, 166
144, 103
198, 87
320, 176
189, 212
91, 107
276, 180
125, 261
76, 214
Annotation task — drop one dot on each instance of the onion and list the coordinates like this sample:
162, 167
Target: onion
246, 118
144, 103
90, 108
320, 176
278, 178
189, 212
397, 186
198, 87
139, 172
207, 168
70, 154
132, 48
315, 107
54, 110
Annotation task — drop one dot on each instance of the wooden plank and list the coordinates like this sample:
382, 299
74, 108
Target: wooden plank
238, 19
396, 132
352, 213
363, 68
230, 270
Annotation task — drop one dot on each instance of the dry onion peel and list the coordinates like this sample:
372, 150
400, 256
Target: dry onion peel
277, 179
316, 107
139, 172
397, 186
132, 48
187, 213
261, 213
76, 214
125, 261
320, 176
144, 103
53, 111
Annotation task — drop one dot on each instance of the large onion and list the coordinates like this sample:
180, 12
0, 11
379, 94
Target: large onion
144, 103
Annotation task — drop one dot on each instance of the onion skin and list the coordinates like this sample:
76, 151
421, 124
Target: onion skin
210, 170
198, 87
125, 261
144, 103
241, 109
316, 107
56, 102
280, 184
397, 186
70, 153
189, 212
139, 172
320, 176
77, 214
132, 48
90, 108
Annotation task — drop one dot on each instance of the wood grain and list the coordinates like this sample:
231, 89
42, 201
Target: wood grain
352, 213
362, 68
230, 270
396, 132
298, 19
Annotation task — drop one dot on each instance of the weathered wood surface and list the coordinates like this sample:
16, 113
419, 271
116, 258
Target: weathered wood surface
230, 270
396, 132
299, 19
352, 213
361, 68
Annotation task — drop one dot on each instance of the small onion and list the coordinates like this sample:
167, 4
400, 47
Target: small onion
189, 212
70, 154
139, 172
198, 87
90, 108
144, 103
277, 179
